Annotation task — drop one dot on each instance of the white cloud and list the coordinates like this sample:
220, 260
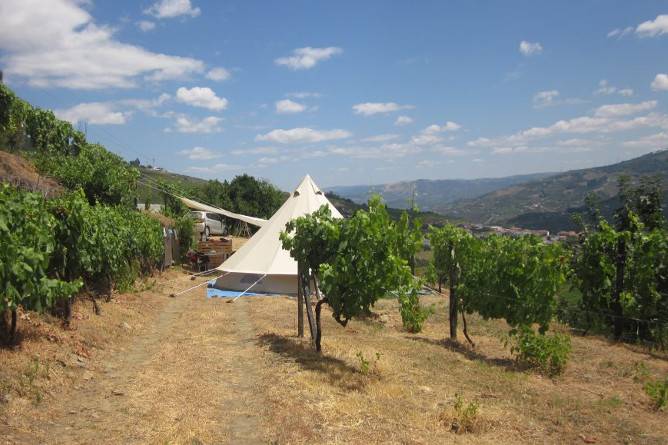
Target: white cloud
99, 113
271, 160
448, 126
551, 98
146, 25
653, 28
146, 105
660, 82
303, 94
185, 124
255, 151
306, 58
609, 120
650, 142
202, 97
301, 135
287, 106
384, 151
620, 32
605, 89
61, 46
199, 154
370, 108
403, 120
218, 74
381, 138
430, 135
216, 168
615, 110
480, 142
530, 48
165, 9
545, 98
426, 139
449, 151
427, 163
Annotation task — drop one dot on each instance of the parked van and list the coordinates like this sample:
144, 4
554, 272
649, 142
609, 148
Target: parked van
207, 224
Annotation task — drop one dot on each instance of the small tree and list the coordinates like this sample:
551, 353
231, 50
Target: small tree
314, 242
449, 245
409, 238
355, 260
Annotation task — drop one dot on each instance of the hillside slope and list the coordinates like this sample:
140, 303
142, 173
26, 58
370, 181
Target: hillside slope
431, 195
549, 202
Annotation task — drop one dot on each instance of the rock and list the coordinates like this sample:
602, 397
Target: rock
384, 318
126, 326
78, 360
424, 388
117, 392
87, 375
587, 439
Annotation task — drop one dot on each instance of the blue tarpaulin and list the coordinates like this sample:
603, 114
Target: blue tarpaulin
212, 292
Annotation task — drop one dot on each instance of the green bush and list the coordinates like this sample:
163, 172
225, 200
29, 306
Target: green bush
464, 418
103, 243
657, 390
546, 353
185, 228
26, 237
413, 315
103, 176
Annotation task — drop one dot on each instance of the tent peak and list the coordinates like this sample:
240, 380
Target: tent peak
307, 185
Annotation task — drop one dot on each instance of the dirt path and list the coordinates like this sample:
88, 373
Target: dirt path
189, 378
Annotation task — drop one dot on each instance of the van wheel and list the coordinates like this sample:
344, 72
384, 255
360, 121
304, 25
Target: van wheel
207, 233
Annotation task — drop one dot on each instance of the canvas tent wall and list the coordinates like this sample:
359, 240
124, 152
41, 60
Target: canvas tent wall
262, 257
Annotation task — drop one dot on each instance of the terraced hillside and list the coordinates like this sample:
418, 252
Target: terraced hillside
548, 203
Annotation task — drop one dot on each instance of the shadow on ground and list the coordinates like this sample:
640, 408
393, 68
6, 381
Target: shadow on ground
471, 354
337, 371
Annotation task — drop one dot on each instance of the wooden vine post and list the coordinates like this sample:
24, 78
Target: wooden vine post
305, 287
300, 305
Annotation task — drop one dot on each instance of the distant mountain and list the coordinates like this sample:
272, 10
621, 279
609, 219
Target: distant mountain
550, 202
348, 207
431, 195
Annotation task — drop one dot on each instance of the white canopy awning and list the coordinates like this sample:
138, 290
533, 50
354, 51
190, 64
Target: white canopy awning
194, 205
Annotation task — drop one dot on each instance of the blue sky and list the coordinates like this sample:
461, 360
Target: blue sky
350, 92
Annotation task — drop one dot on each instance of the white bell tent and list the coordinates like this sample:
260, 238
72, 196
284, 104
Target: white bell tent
262, 265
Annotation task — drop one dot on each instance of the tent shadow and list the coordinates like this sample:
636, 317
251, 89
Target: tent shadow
337, 371
471, 354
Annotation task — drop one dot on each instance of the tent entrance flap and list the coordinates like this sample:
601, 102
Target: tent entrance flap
194, 205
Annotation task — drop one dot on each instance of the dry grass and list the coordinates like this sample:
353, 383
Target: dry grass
191, 370
20, 172
411, 399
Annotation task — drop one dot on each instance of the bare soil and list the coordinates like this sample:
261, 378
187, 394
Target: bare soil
20, 172
155, 369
